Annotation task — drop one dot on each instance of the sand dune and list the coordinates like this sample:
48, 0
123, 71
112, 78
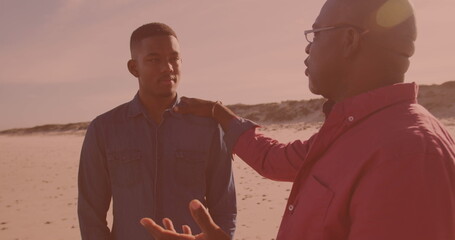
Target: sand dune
438, 99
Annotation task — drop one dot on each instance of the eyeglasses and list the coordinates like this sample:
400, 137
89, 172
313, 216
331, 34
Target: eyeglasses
309, 34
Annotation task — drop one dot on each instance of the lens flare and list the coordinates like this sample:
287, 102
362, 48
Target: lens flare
393, 12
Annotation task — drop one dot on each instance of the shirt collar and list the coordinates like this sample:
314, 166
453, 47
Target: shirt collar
327, 107
136, 107
345, 114
358, 107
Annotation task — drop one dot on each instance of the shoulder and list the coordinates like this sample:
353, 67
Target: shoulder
419, 125
418, 133
197, 127
406, 129
114, 115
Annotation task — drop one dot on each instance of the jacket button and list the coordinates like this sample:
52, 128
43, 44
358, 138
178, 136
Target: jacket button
291, 207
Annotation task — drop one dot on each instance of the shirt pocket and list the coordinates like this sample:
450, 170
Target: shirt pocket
190, 168
124, 167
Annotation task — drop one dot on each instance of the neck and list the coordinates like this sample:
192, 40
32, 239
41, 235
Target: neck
156, 105
365, 82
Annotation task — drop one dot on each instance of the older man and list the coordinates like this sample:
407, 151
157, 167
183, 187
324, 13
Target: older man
381, 166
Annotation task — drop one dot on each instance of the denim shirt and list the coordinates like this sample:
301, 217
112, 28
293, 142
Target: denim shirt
153, 171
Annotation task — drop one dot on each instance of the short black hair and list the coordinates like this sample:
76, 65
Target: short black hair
150, 30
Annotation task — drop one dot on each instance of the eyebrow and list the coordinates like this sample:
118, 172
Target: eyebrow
152, 55
157, 55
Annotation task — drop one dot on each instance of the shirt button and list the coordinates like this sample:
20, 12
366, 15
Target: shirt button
350, 118
291, 207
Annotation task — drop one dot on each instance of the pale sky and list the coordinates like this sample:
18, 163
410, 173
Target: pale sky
64, 61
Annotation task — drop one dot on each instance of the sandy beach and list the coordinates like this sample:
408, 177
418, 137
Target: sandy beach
38, 184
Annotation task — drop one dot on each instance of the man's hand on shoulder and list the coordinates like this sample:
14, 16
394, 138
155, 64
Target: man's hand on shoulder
205, 108
195, 106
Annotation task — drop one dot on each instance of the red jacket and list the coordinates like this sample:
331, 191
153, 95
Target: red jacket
380, 168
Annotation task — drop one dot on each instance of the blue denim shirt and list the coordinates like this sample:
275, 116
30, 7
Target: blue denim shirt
152, 170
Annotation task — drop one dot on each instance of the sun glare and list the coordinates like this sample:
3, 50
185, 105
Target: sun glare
393, 12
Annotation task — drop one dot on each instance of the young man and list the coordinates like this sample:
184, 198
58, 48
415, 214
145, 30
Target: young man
381, 166
150, 160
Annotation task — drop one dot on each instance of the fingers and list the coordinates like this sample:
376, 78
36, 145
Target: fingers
160, 233
182, 106
209, 229
198, 107
168, 224
154, 229
186, 230
202, 217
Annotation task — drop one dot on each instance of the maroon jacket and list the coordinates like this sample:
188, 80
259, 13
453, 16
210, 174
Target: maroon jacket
380, 168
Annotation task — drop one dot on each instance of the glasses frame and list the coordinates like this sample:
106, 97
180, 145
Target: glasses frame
307, 32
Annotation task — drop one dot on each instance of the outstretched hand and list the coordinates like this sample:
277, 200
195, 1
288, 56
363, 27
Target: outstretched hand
210, 231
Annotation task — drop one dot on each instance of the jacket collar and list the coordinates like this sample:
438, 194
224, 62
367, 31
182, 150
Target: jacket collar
341, 116
358, 107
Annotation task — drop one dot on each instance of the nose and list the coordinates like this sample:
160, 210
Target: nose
308, 48
167, 67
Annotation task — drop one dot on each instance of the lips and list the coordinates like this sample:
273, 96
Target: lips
168, 79
306, 64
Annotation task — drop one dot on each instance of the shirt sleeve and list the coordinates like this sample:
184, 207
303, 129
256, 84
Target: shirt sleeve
94, 189
221, 199
271, 159
407, 192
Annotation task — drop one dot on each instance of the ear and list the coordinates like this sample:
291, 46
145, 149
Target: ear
132, 67
352, 42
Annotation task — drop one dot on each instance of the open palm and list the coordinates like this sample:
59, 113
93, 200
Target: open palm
210, 231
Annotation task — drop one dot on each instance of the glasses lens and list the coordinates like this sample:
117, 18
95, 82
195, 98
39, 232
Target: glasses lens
309, 37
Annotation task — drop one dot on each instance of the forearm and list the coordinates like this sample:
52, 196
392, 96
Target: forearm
93, 204
222, 206
267, 156
92, 224
270, 158
92, 208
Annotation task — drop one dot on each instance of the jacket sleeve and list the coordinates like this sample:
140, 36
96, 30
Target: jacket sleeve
94, 189
221, 198
271, 159
406, 192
